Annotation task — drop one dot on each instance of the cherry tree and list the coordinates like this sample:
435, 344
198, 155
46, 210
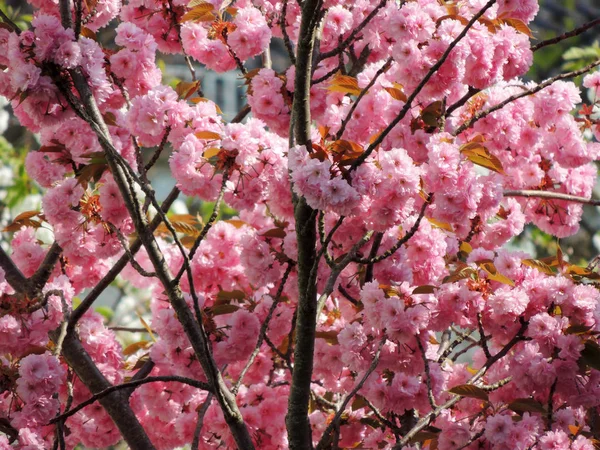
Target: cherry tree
375, 182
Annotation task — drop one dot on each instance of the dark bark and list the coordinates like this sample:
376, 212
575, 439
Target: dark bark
193, 329
298, 425
117, 404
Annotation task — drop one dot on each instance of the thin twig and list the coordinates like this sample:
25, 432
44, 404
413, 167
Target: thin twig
336, 419
429, 417
550, 411
128, 385
359, 64
63, 326
7, 20
60, 437
325, 241
338, 268
263, 329
207, 226
323, 401
464, 350
200, 421
480, 115
119, 265
482, 338
242, 114
129, 329
286, 359
471, 92
347, 295
138, 268
340, 48
400, 242
363, 92
158, 151
551, 195
176, 23
380, 416
473, 439
372, 254
497, 385
459, 340
444, 342
286, 37
427, 373
362, 158
567, 35
328, 75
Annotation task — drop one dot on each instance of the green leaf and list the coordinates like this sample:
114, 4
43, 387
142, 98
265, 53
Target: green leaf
105, 311
581, 53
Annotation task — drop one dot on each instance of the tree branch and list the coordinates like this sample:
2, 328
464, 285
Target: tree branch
551, 195
263, 329
324, 441
481, 114
114, 402
346, 42
126, 386
429, 417
362, 158
380, 72
13, 275
400, 242
427, 374
286, 37
9, 22
193, 329
297, 423
200, 422
119, 265
39, 279
567, 35
80, 361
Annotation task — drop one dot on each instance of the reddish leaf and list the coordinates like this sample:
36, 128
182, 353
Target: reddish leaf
132, 348
523, 405
231, 295
275, 233
425, 289
469, 390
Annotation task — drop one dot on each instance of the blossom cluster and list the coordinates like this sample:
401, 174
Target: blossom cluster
411, 208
